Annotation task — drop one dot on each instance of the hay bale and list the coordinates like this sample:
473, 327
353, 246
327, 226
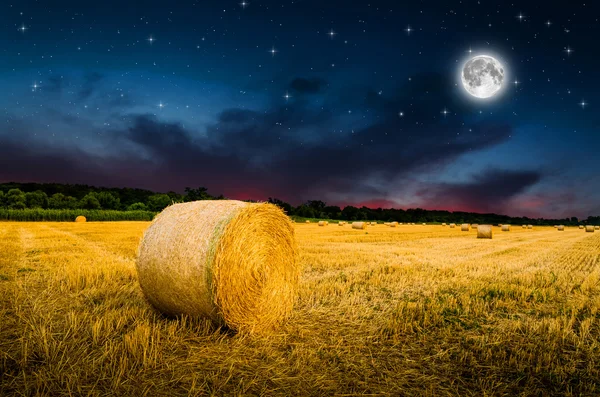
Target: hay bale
230, 261
424, 224
560, 228
81, 218
524, 226
555, 226
474, 226
506, 228
307, 221
581, 226
484, 231
589, 229
359, 225
597, 228
393, 224
464, 227
340, 224
443, 224
452, 226
373, 223
323, 223
529, 226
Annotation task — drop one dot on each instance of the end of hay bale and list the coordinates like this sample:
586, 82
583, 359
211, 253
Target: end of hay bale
230, 261
484, 231
464, 227
589, 229
359, 225
81, 218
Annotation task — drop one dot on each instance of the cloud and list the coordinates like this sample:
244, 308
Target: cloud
489, 191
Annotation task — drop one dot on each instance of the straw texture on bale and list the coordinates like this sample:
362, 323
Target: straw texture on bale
452, 225
561, 228
359, 225
230, 261
484, 231
589, 229
506, 228
529, 226
464, 227
81, 218
323, 223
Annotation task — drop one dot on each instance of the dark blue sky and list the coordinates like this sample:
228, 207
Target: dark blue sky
340, 101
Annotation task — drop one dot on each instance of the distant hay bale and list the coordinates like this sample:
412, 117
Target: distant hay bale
393, 224
359, 225
581, 226
307, 221
474, 226
81, 218
443, 224
529, 226
597, 228
230, 261
424, 224
452, 225
323, 223
560, 228
373, 223
484, 231
555, 225
524, 226
464, 227
340, 223
589, 229
506, 228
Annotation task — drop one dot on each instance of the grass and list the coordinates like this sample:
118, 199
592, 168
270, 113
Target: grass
412, 310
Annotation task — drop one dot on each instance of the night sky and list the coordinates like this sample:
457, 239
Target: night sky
349, 102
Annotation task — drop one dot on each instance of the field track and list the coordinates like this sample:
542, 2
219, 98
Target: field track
412, 310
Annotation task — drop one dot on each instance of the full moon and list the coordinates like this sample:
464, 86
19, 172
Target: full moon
482, 76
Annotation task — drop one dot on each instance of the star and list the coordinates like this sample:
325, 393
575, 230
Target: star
408, 30
244, 4
34, 87
548, 23
400, 114
287, 96
583, 103
151, 39
161, 105
445, 112
521, 17
516, 83
470, 51
331, 33
568, 50
23, 28
273, 51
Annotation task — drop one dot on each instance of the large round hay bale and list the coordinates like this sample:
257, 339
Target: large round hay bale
452, 225
506, 228
307, 221
359, 225
484, 231
581, 226
323, 223
529, 226
560, 228
589, 229
597, 228
524, 226
464, 227
444, 224
81, 218
230, 261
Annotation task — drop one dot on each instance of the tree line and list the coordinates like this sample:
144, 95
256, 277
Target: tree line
17, 196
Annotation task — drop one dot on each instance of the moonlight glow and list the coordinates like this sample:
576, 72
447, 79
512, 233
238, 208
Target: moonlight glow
482, 76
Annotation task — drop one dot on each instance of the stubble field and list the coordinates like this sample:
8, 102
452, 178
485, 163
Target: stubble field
412, 310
